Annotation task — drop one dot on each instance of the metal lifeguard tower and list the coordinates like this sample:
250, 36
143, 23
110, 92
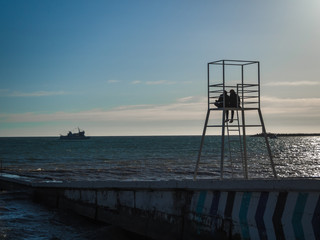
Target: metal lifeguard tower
244, 78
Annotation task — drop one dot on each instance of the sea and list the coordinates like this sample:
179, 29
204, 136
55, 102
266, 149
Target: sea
143, 158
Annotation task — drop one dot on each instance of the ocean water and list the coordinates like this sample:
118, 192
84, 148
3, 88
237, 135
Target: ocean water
132, 158
156, 158
20, 218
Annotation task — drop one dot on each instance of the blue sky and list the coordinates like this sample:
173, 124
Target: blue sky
139, 67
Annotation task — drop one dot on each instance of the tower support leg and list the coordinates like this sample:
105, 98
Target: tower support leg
201, 144
267, 143
222, 142
244, 160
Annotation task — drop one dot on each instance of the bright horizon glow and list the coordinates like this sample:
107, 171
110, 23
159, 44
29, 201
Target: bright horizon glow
123, 68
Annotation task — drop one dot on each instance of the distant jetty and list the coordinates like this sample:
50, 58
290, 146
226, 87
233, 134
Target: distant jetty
288, 134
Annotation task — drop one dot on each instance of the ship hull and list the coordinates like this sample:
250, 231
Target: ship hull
73, 138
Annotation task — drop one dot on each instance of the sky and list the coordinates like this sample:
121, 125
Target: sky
138, 67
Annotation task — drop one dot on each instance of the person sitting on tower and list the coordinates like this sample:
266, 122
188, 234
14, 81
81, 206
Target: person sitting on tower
234, 102
223, 99
219, 103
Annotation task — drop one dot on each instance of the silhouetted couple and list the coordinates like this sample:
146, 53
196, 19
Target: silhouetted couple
232, 101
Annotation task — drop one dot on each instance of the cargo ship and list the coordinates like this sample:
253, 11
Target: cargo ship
80, 135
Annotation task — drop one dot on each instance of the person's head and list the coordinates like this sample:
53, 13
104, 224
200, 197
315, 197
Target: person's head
232, 91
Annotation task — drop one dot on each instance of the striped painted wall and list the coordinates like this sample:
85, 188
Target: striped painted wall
258, 215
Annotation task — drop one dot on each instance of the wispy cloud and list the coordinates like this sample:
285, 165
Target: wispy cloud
184, 109
184, 116
187, 109
299, 83
300, 102
136, 82
186, 99
150, 83
297, 107
113, 81
161, 82
7, 93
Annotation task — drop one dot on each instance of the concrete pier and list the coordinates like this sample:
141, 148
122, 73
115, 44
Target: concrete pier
203, 209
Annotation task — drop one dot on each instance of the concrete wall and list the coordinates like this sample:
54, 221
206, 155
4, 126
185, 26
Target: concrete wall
254, 209
258, 215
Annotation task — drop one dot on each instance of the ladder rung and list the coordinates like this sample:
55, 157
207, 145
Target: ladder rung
247, 97
235, 126
235, 109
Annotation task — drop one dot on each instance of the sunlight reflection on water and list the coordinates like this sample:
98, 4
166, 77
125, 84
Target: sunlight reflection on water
297, 156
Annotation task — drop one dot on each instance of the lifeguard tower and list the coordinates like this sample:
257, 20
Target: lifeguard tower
244, 78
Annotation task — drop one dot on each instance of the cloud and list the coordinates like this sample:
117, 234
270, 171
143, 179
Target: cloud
186, 99
136, 82
113, 81
186, 109
296, 107
160, 82
292, 102
184, 116
299, 83
7, 93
